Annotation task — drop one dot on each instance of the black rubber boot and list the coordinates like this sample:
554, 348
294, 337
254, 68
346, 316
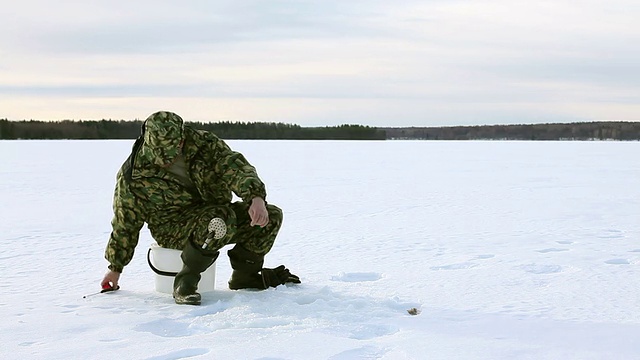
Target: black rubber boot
195, 262
248, 272
246, 269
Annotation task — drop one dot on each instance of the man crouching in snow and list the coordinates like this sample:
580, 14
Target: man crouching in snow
180, 182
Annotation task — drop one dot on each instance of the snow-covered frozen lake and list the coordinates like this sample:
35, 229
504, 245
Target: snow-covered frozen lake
510, 250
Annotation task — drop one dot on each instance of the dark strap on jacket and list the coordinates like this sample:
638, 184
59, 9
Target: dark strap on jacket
128, 164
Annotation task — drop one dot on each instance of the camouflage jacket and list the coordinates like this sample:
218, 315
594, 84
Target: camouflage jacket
148, 193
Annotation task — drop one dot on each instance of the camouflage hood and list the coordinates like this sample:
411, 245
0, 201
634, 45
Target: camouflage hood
163, 135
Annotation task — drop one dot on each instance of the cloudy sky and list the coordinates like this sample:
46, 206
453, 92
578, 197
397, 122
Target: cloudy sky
328, 62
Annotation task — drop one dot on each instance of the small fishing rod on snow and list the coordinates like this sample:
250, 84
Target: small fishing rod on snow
105, 289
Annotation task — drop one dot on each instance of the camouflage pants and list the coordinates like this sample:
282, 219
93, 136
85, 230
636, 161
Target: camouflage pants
194, 225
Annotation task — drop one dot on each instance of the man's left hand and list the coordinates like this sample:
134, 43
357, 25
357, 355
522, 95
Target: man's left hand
258, 212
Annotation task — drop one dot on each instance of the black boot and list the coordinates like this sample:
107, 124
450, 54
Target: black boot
185, 284
248, 272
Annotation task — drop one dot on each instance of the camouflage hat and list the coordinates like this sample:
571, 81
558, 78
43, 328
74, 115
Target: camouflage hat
162, 137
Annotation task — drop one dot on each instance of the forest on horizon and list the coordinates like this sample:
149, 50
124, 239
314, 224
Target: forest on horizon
130, 129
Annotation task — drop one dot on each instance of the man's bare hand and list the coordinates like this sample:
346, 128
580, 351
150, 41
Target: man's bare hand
110, 280
258, 212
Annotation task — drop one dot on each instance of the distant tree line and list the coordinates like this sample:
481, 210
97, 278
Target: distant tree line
602, 130
257, 130
122, 129
67, 129
113, 129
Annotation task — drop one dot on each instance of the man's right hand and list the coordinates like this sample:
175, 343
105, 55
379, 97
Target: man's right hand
110, 280
258, 212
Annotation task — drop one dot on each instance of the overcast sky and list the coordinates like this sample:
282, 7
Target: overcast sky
325, 62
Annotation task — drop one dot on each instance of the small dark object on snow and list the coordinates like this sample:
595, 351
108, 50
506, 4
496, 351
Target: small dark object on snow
104, 290
413, 311
109, 289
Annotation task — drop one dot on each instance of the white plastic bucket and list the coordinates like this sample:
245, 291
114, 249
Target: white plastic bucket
168, 260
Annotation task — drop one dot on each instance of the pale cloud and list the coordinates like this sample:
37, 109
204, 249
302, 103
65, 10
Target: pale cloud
384, 63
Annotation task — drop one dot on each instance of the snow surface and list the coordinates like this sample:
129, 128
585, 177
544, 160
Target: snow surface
508, 250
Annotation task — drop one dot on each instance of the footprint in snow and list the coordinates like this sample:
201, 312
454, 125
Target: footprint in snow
541, 269
365, 352
181, 354
459, 266
110, 340
617, 262
544, 251
611, 234
357, 277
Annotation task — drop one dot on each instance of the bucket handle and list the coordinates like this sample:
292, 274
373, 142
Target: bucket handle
156, 270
